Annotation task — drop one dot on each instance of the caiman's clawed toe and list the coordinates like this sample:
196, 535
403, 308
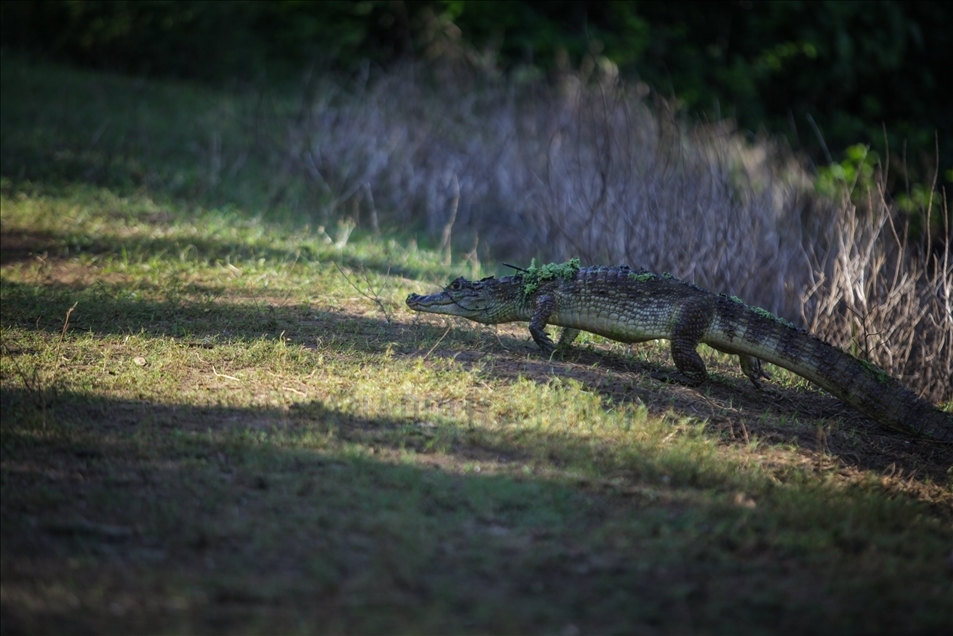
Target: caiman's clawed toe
636, 306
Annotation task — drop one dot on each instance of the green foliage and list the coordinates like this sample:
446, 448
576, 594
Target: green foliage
221, 42
827, 74
856, 178
919, 198
854, 175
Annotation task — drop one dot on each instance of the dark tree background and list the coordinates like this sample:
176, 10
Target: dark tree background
838, 71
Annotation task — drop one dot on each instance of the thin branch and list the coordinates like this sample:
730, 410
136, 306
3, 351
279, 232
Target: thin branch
375, 298
222, 375
439, 340
66, 322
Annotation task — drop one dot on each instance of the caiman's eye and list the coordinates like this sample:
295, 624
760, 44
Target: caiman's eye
455, 285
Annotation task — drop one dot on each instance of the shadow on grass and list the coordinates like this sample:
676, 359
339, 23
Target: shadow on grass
136, 516
21, 246
375, 543
109, 309
735, 411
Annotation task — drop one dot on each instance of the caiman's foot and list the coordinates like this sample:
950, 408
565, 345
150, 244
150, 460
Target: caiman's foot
542, 340
752, 368
677, 378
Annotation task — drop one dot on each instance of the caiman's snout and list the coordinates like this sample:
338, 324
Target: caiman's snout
420, 303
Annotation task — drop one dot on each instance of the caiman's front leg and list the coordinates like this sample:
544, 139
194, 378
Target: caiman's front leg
542, 310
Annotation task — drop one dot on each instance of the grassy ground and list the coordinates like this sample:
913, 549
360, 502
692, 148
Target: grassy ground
215, 421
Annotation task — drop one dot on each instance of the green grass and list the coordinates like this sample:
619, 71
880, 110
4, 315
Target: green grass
216, 420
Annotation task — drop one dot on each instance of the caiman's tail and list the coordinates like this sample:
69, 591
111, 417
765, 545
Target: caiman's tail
866, 387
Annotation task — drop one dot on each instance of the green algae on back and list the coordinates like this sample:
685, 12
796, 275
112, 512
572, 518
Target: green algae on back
642, 277
533, 275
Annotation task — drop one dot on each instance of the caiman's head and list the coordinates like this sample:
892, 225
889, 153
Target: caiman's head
490, 301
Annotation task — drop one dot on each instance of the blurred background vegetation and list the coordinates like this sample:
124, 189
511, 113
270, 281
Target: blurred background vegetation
828, 76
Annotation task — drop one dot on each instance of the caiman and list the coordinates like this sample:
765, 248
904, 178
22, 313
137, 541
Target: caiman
636, 306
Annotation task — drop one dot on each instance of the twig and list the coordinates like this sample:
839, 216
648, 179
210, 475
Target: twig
66, 322
222, 375
437, 343
862, 317
376, 298
56, 354
36, 382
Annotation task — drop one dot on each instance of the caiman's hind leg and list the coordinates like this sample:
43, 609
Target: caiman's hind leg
691, 367
752, 368
690, 325
567, 337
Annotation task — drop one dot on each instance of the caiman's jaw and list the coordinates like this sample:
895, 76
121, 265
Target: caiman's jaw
440, 303
469, 299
